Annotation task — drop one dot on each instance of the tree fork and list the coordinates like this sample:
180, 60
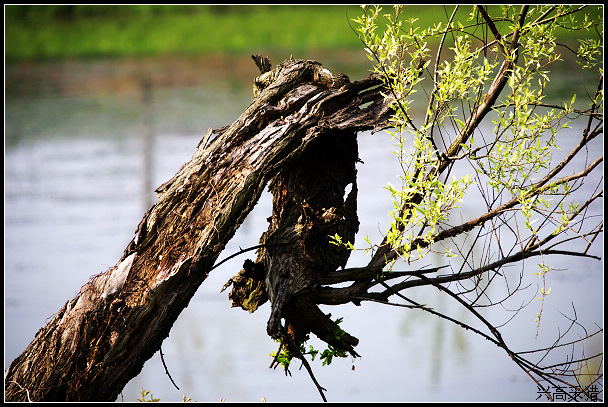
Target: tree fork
101, 339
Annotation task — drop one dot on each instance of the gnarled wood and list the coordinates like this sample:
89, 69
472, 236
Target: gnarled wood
101, 339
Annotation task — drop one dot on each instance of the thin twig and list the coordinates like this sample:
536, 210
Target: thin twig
296, 350
236, 254
167, 370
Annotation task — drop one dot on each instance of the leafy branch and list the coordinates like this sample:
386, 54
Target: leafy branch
499, 68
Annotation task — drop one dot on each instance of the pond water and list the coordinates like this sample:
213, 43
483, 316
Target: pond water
86, 143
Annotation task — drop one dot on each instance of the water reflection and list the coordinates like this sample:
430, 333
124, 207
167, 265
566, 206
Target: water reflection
87, 143
148, 141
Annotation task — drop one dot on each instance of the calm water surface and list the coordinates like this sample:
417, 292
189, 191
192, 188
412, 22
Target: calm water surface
86, 143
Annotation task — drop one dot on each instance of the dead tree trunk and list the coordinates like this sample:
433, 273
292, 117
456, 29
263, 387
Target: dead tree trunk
300, 130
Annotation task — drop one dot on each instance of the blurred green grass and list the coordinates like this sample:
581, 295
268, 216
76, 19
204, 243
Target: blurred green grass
56, 32
47, 32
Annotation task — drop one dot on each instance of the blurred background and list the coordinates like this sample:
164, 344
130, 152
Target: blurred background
104, 103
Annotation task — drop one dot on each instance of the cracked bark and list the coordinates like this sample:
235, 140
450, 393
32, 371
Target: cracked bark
101, 339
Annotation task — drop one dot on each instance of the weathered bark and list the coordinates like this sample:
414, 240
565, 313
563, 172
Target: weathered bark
101, 339
312, 200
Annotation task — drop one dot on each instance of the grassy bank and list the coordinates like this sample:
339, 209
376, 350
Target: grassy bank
63, 31
67, 31
180, 30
